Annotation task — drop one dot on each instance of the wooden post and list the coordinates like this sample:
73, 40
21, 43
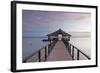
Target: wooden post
39, 56
50, 41
70, 48
48, 48
77, 54
73, 53
45, 53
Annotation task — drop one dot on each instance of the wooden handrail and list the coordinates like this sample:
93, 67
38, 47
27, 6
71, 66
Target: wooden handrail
81, 52
50, 46
73, 47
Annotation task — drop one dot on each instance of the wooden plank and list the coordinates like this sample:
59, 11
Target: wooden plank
59, 53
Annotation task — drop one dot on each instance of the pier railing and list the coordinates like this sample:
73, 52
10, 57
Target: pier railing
41, 54
75, 52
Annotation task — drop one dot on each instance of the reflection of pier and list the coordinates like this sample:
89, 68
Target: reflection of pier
59, 49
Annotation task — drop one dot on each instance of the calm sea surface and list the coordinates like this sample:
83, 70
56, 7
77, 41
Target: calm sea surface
83, 44
31, 45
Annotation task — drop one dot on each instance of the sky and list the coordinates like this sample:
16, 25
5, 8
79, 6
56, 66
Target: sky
41, 23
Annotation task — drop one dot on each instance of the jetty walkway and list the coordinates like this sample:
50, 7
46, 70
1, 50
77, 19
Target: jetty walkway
59, 49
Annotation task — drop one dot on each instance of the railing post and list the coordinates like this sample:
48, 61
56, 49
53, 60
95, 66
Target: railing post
48, 48
70, 48
45, 53
39, 56
77, 54
73, 53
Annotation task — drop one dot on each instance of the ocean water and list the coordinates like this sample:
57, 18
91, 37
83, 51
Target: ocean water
31, 45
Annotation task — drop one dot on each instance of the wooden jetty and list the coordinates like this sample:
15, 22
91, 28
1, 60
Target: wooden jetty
59, 49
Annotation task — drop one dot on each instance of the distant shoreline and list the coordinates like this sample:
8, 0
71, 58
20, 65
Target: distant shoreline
47, 37
74, 34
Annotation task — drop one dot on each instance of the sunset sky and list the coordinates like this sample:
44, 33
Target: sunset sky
40, 23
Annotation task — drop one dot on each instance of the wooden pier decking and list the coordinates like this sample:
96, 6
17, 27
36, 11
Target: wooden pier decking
59, 53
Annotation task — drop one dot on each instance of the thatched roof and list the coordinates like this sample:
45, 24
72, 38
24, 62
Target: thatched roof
58, 32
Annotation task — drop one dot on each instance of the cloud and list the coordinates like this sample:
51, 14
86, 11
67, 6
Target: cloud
43, 22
